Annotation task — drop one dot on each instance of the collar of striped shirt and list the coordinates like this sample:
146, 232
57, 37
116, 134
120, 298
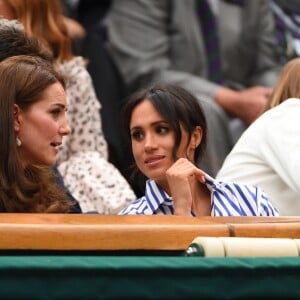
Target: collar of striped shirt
227, 199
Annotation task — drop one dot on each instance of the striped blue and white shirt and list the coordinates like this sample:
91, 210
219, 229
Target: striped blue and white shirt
227, 199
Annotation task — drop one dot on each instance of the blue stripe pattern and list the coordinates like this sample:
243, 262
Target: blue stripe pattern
227, 199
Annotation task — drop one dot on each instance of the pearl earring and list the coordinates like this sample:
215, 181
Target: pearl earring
18, 142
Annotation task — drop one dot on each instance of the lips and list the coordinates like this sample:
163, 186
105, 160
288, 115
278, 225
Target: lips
55, 144
153, 159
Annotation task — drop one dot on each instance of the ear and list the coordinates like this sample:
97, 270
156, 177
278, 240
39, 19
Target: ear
194, 142
196, 138
16, 118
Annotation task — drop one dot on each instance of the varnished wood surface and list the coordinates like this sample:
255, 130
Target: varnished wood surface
111, 232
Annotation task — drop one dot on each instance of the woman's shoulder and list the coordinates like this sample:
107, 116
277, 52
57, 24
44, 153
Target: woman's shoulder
74, 65
76, 71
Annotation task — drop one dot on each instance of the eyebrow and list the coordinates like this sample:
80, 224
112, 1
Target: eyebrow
63, 106
152, 124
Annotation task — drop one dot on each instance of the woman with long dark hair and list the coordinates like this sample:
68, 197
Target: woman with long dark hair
167, 129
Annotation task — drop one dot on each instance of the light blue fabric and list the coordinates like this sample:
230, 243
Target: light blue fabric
227, 199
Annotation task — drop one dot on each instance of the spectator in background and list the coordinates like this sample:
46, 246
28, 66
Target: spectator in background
91, 14
287, 20
75, 30
83, 157
165, 41
108, 82
267, 154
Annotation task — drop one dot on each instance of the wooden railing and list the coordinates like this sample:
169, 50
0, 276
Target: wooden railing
111, 232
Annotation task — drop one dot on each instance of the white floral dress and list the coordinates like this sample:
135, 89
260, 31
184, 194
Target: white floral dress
83, 158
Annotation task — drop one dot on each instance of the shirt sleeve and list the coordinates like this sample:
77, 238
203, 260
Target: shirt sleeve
233, 199
137, 207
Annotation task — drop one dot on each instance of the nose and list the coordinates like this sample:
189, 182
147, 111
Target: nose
64, 128
150, 142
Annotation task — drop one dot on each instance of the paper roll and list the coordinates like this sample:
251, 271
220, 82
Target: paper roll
238, 246
297, 241
211, 246
245, 247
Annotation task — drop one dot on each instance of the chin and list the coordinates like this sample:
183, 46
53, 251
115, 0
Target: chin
156, 178
52, 163
49, 163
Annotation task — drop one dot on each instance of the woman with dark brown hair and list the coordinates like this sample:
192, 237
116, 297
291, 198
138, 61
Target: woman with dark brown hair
33, 123
83, 158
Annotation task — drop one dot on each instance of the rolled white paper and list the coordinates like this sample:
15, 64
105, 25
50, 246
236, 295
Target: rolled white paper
239, 246
297, 241
244, 246
212, 247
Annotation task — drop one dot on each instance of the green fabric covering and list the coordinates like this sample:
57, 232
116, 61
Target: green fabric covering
147, 277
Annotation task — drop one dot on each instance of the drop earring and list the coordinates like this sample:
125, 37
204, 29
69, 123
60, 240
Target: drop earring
18, 142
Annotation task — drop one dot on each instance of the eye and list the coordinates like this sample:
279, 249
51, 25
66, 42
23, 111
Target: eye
137, 135
162, 129
55, 112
